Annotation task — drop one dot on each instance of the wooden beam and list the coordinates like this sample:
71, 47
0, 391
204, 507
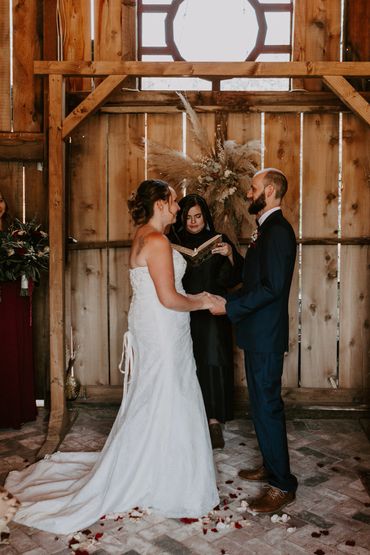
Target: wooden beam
91, 103
21, 146
126, 101
58, 412
349, 96
204, 69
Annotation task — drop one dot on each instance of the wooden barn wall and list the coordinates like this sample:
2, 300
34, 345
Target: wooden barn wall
329, 303
329, 300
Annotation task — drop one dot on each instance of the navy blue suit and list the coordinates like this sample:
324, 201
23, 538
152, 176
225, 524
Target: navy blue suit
259, 311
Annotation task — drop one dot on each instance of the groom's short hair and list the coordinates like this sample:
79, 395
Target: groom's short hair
278, 180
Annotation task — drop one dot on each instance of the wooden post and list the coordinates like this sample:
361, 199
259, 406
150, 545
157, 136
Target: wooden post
58, 412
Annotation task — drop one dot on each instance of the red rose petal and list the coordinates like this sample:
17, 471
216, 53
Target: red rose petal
98, 536
229, 482
214, 530
233, 495
186, 520
238, 525
205, 531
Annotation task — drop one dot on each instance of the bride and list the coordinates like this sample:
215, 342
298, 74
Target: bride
158, 454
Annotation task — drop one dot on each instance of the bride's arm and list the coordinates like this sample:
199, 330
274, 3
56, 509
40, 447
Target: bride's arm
160, 264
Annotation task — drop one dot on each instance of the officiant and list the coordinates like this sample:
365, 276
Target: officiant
212, 335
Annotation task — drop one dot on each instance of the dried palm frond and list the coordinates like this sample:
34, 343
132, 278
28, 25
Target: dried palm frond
198, 132
222, 175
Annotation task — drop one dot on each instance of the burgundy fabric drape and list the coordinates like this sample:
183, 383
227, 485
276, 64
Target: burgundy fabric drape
17, 388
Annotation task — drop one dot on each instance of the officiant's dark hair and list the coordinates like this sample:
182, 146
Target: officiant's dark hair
141, 203
189, 201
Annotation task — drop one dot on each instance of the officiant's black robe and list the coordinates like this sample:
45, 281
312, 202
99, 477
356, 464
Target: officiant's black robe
212, 335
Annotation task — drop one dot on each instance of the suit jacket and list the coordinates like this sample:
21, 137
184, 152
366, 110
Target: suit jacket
259, 309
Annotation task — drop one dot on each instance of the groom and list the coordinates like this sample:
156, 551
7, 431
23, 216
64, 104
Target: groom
259, 311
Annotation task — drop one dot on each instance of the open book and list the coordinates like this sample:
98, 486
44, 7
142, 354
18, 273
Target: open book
201, 253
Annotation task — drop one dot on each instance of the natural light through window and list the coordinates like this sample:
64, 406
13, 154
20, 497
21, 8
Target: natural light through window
214, 30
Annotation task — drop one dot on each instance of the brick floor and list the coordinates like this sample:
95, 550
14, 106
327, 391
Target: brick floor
331, 458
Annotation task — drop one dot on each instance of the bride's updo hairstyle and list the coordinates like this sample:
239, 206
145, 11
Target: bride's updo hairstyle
141, 203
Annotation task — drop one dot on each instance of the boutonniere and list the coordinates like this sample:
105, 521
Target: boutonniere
254, 237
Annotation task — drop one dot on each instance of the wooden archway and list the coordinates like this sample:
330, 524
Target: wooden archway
60, 128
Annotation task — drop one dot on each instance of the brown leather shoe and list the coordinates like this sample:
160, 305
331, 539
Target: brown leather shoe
271, 501
217, 439
254, 474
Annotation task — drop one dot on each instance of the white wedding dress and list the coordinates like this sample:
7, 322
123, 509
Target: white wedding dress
158, 454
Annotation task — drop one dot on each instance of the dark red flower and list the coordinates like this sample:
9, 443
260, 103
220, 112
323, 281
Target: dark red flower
186, 520
238, 525
98, 536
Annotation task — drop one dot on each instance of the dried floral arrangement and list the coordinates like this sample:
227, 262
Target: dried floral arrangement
221, 174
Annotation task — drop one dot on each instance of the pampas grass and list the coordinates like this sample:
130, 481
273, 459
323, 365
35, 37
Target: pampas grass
222, 175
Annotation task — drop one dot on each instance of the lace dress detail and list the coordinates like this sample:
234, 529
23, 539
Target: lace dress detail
158, 454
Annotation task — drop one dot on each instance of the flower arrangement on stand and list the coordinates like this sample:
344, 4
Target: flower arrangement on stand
24, 253
221, 174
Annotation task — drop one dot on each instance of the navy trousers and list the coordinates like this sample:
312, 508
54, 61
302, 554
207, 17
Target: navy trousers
264, 371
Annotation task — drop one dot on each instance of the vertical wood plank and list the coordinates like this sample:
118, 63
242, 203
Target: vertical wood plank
291, 363
76, 37
320, 175
58, 413
40, 337
282, 151
119, 302
107, 31
165, 129
316, 35
11, 185
355, 175
126, 170
354, 352
208, 122
57, 261
129, 36
5, 105
88, 168
354, 363
27, 88
357, 36
36, 194
244, 127
89, 316
319, 316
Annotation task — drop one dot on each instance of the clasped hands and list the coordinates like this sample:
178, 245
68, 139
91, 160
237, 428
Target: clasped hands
214, 303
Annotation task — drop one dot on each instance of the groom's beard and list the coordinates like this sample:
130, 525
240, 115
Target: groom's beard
258, 204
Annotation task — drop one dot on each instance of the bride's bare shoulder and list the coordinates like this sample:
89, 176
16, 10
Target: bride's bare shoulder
146, 240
